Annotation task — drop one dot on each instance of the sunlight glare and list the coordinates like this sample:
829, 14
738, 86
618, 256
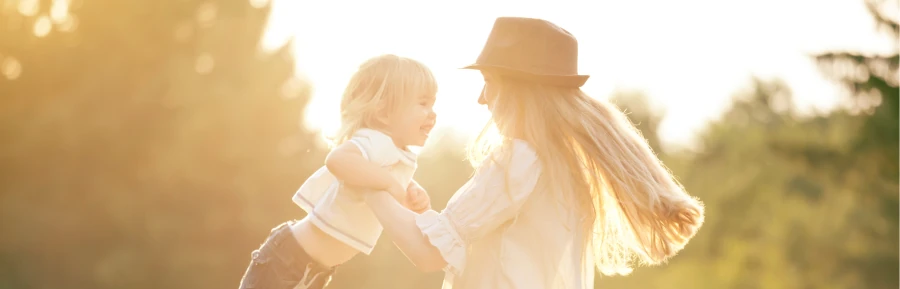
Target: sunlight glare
42, 26
259, 3
69, 24
687, 66
11, 68
59, 10
206, 14
28, 7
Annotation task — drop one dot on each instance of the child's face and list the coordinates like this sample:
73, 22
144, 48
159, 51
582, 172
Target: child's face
411, 124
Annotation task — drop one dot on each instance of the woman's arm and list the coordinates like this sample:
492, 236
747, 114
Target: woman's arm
400, 224
490, 198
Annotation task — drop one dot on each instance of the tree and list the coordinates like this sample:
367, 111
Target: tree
147, 144
796, 202
872, 81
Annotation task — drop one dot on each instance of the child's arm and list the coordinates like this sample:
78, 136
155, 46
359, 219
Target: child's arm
347, 163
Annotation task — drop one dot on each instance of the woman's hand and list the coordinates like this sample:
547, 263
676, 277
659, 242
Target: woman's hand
417, 198
400, 224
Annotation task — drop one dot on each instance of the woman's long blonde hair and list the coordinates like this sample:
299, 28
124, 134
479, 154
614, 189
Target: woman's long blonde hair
382, 84
635, 211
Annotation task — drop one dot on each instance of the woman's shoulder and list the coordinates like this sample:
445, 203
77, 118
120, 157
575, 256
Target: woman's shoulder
523, 148
517, 150
515, 156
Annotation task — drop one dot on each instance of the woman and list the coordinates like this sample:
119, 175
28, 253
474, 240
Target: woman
568, 184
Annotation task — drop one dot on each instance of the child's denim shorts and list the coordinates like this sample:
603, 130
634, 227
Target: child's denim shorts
281, 263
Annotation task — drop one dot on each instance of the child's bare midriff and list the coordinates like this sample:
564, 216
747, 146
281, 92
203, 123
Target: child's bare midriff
321, 247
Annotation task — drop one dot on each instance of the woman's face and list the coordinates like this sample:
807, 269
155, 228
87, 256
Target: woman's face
488, 92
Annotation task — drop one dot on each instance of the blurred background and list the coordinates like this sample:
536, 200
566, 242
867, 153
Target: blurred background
153, 144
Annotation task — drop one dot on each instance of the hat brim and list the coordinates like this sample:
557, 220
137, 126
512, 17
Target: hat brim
574, 81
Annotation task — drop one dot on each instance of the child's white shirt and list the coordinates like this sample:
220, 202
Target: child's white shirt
342, 212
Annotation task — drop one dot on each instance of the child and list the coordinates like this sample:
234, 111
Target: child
386, 107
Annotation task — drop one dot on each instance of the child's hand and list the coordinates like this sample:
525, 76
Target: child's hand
417, 199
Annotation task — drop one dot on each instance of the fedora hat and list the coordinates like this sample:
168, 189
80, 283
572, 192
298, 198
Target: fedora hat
532, 50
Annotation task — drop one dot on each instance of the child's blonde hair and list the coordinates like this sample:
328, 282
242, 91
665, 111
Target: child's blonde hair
381, 85
634, 208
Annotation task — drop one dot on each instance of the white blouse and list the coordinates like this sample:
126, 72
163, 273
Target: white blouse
500, 230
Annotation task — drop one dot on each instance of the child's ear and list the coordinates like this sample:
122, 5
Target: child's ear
382, 118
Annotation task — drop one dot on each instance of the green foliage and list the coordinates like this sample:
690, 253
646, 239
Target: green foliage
795, 202
152, 146
149, 144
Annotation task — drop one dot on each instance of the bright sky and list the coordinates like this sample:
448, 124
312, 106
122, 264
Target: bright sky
689, 56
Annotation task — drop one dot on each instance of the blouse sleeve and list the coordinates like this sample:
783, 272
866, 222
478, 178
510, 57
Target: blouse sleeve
376, 147
493, 196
